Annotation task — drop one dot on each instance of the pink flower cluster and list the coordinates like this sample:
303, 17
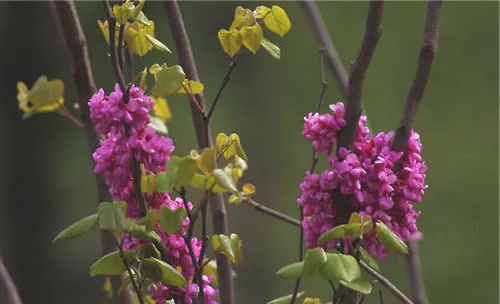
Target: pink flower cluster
114, 161
368, 176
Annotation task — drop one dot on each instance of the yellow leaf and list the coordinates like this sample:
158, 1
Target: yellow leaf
277, 21
261, 11
230, 146
193, 86
157, 44
252, 37
156, 68
143, 83
123, 13
104, 26
242, 18
161, 108
135, 36
45, 96
206, 160
148, 182
248, 189
231, 41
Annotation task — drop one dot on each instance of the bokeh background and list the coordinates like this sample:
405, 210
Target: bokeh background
46, 181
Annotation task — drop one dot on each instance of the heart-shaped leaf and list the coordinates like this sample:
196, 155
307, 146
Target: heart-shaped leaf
340, 267
252, 37
231, 41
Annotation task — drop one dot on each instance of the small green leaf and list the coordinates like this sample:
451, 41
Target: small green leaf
368, 259
138, 231
231, 41
77, 229
148, 251
179, 172
389, 239
252, 37
157, 44
224, 179
108, 288
315, 258
291, 271
358, 225
222, 244
360, 285
334, 233
340, 267
111, 264
285, 299
112, 216
171, 220
271, 48
158, 270
235, 198
277, 21
150, 220
158, 125
168, 81
236, 248
200, 181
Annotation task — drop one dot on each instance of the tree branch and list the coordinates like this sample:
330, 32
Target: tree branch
7, 286
70, 30
403, 131
217, 207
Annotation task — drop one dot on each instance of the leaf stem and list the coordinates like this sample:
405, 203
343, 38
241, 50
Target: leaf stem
129, 271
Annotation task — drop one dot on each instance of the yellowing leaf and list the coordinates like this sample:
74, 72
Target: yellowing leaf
206, 160
135, 36
277, 21
161, 108
45, 96
193, 87
123, 13
168, 80
230, 146
148, 181
242, 18
252, 37
261, 11
231, 41
104, 26
248, 189
143, 83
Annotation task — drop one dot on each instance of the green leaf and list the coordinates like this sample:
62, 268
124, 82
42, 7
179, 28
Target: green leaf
200, 181
340, 267
222, 244
150, 220
315, 258
334, 233
158, 125
285, 299
368, 259
225, 179
158, 270
360, 285
108, 288
271, 48
142, 19
157, 44
168, 81
231, 41
235, 198
252, 37
111, 264
210, 269
138, 231
77, 229
358, 225
44, 96
179, 172
236, 248
171, 220
277, 21
291, 271
112, 216
389, 239
148, 251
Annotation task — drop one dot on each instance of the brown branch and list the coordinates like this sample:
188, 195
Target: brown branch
7, 286
76, 46
217, 207
274, 213
403, 131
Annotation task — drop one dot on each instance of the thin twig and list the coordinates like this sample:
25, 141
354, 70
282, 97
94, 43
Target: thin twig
403, 131
384, 281
7, 286
129, 271
272, 212
225, 81
215, 200
204, 243
69, 27
120, 48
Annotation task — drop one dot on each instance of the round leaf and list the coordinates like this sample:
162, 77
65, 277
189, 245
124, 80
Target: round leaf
111, 264
171, 220
340, 267
315, 258
277, 21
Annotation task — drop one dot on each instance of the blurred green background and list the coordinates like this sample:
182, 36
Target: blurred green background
47, 182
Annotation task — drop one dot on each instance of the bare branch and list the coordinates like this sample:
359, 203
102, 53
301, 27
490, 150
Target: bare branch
7, 286
274, 213
217, 207
422, 74
416, 278
70, 30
